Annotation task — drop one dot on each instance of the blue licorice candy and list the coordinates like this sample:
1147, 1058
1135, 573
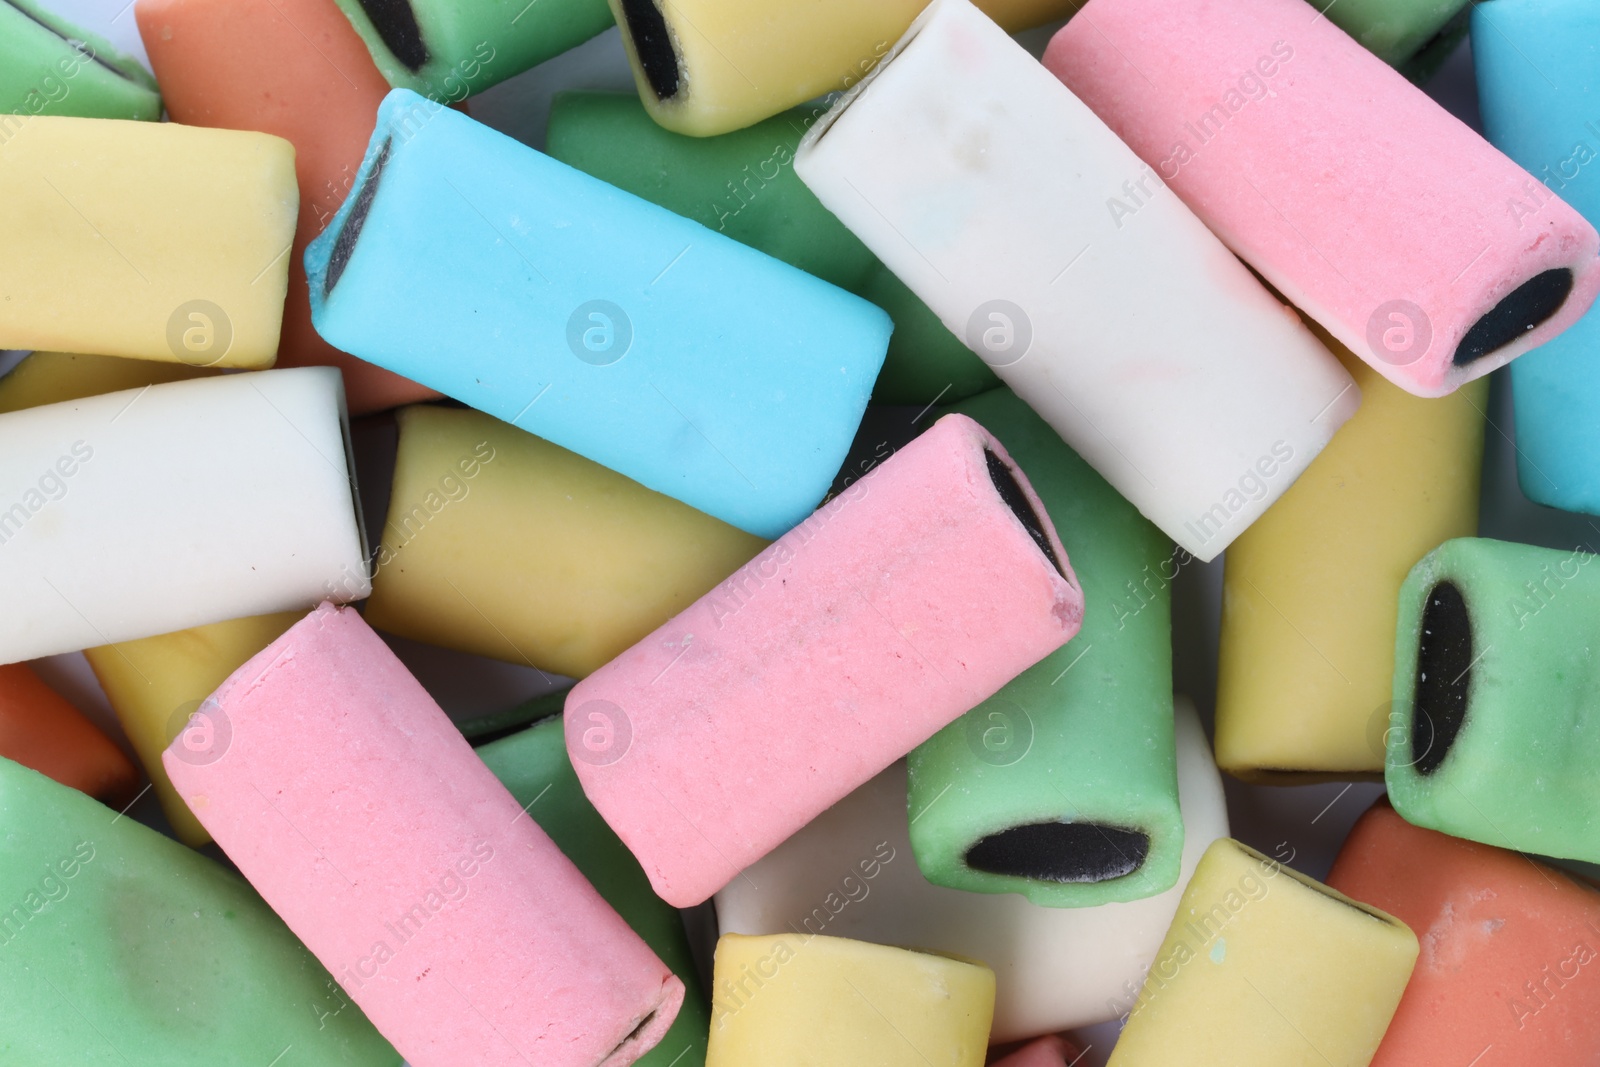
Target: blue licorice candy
693, 364
1538, 67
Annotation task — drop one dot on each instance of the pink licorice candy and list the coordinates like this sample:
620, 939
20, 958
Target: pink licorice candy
1409, 237
344, 794
908, 599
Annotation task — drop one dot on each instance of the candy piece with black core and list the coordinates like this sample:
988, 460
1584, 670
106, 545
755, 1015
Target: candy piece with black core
350, 230
1062, 786
49, 66
396, 23
1529, 306
652, 46
1494, 732
1005, 480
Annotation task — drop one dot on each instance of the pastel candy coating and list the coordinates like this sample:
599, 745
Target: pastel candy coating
1139, 338
39, 729
1306, 661
230, 494
119, 946
604, 324
1400, 32
906, 600
533, 765
449, 51
1234, 982
1319, 165
850, 873
48, 66
1063, 786
155, 684
1537, 88
1507, 947
793, 1000
743, 184
1495, 730
501, 544
147, 277
294, 69
342, 791
51, 377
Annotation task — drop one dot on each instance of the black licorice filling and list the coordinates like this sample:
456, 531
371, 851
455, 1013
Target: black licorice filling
1005, 481
345, 244
73, 41
1444, 676
397, 26
647, 26
1067, 852
1529, 305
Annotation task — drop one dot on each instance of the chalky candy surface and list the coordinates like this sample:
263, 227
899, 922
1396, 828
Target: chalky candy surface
226, 495
345, 795
155, 685
1306, 667
1263, 966
794, 1000
51, 377
121, 948
1496, 726
1540, 97
501, 544
39, 729
147, 277
1320, 166
1063, 786
294, 69
850, 873
903, 602
743, 184
1148, 347
448, 51
1507, 948
682, 359
48, 66
533, 765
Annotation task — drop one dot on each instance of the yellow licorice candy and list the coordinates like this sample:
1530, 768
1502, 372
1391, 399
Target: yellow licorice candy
796, 1000
1263, 967
157, 684
1311, 591
145, 239
502, 544
51, 377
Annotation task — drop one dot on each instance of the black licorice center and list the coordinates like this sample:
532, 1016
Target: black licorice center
647, 26
397, 25
1068, 852
1005, 481
345, 244
1529, 305
1444, 676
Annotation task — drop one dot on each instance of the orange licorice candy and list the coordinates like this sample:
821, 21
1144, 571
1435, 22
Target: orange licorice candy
1051, 1051
1509, 973
39, 729
294, 68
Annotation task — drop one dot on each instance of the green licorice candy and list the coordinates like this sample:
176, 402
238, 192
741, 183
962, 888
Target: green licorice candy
1414, 35
50, 67
1063, 786
534, 766
1494, 734
448, 50
743, 184
119, 946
